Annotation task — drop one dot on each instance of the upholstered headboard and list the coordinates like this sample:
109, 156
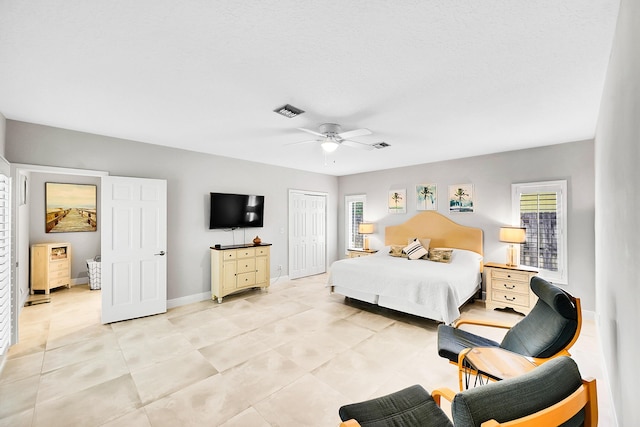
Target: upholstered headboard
443, 232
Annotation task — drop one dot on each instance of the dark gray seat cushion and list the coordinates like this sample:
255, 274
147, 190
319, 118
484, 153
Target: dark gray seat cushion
412, 406
451, 341
521, 396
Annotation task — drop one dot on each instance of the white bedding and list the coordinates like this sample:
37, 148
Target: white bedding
425, 288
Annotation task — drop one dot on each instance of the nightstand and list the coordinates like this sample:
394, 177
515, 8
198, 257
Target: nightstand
508, 287
357, 253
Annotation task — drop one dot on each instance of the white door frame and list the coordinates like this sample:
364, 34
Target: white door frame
20, 240
290, 243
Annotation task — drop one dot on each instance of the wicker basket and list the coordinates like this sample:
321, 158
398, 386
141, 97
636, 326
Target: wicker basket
94, 271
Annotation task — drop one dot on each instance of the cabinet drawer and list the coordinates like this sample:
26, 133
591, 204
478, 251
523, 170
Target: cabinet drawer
58, 281
510, 286
58, 266
229, 255
262, 251
510, 298
246, 253
510, 275
246, 265
246, 279
57, 274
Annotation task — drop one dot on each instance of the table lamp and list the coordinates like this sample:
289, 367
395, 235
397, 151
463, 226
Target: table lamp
365, 228
513, 235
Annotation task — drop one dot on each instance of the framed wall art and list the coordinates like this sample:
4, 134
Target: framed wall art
461, 198
398, 201
70, 207
427, 197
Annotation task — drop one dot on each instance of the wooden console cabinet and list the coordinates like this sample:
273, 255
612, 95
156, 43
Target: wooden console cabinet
50, 266
235, 268
508, 287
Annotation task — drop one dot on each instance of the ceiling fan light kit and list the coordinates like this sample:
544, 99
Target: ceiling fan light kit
329, 145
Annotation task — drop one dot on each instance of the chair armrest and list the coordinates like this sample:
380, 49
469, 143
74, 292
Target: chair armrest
350, 423
445, 392
478, 322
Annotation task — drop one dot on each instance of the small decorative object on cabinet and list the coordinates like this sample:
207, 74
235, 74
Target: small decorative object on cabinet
50, 266
239, 267
357, 253
508, 287
257, 240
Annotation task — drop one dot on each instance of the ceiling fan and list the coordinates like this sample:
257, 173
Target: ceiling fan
330, 137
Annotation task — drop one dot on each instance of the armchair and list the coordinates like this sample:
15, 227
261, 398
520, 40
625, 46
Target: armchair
548, 331
550, 395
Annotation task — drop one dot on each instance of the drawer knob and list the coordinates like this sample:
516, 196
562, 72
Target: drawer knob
509, 299
508, 287
508, 275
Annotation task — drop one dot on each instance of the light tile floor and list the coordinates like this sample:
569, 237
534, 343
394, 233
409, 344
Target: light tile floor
288, 356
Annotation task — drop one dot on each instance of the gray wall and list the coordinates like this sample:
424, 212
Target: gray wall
84, 245
190, 178
617, 151
492, 176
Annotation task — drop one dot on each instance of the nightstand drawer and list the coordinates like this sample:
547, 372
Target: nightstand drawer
510, 275
510, 298
510, 286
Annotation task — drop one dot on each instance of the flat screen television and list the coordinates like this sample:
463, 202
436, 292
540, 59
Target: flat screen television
236, 210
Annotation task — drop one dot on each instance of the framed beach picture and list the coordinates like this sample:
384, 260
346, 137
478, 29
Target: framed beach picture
427, 197
70, 207
398, 201
461, 198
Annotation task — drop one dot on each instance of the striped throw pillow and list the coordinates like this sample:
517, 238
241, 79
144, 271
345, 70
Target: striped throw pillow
415, 250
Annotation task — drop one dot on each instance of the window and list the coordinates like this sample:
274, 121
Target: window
541, 208
354, 215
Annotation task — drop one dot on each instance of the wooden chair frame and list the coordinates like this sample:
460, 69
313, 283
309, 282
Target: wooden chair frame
462, 369
584, 397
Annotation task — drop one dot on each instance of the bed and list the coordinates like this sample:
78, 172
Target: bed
421, 287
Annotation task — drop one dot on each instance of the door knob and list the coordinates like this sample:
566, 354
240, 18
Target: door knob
161, 253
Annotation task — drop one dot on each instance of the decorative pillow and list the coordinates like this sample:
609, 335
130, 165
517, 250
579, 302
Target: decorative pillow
440, 255
396, 250
415, 250
424, 242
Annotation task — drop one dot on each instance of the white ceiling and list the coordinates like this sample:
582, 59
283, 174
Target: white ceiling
435, 79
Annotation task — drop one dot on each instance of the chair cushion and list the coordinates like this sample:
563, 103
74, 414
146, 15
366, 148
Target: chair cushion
555, 298
520, 396
451, 341
412, 406
549, 326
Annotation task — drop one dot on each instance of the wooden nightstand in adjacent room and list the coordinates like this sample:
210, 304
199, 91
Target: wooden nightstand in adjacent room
508, 287
357, 253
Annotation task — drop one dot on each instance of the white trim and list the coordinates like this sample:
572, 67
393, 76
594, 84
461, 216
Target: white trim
189, 299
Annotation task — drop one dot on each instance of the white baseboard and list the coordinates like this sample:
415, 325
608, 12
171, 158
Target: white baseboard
190, 299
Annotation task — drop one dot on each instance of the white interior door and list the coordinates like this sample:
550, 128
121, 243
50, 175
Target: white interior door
133, 245
307, 234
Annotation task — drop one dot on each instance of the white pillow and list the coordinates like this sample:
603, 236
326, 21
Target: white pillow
415, 250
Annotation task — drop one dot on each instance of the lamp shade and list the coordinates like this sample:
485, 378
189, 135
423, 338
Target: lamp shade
513, 234
365, 228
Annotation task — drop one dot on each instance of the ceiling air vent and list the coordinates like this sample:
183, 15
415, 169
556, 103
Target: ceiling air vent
381, 145
289, 111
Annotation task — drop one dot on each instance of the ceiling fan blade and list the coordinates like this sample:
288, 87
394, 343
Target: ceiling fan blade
356, 144
301, 142
312, 132
354, 133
